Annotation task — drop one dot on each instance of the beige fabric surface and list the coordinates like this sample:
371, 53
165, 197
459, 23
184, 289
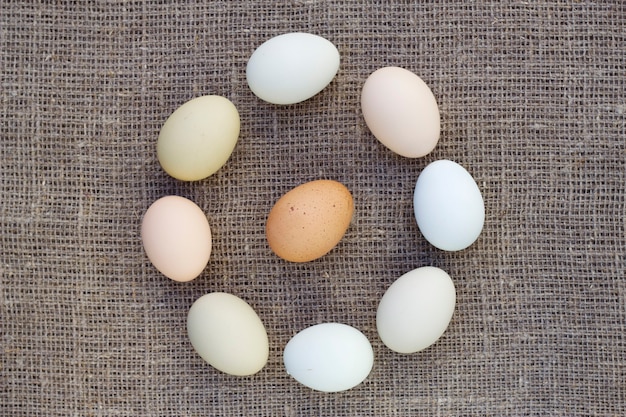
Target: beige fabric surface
532, 102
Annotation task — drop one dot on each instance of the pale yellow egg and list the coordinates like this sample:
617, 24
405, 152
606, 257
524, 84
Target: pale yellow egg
198, 138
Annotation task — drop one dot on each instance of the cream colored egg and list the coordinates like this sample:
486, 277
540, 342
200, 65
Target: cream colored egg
309, 221
198, 138
401, 111
176, 237
228, 334
416, 310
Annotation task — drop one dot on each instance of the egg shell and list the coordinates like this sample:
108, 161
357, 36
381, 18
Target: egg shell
448, 206
292, 67
401, 111
228, 334
198, 138
309, 221
329, 357
416, 310
176, 237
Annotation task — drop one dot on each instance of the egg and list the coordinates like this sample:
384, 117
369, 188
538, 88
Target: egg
416, 310
228, 334
329, 357
198, 138
292, 67
309, 221
448, 206
401, 111
176, 237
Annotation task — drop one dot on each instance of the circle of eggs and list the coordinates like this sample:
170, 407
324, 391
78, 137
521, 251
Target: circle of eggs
198, 138
448, 206
228, 334
401, 111
416, 310
329, 357
292, 67
309, 221
176, 237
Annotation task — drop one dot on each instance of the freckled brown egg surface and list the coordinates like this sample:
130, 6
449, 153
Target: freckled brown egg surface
309, 221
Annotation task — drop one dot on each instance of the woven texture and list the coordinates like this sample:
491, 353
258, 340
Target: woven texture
532, 102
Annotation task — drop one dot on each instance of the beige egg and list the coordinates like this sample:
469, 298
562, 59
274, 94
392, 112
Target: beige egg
416, 309
401, 111
198, 138
228, 334
309, 221
176, 236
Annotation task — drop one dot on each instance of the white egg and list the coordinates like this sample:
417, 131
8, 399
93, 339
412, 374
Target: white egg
329, 357
416, 310
228, 334
449, 207
292, 67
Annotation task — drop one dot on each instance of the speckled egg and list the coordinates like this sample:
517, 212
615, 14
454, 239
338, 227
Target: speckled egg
309, 221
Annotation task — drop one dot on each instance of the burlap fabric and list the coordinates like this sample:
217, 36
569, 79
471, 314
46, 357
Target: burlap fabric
532, 101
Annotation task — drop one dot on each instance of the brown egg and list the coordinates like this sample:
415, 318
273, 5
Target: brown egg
309, 221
